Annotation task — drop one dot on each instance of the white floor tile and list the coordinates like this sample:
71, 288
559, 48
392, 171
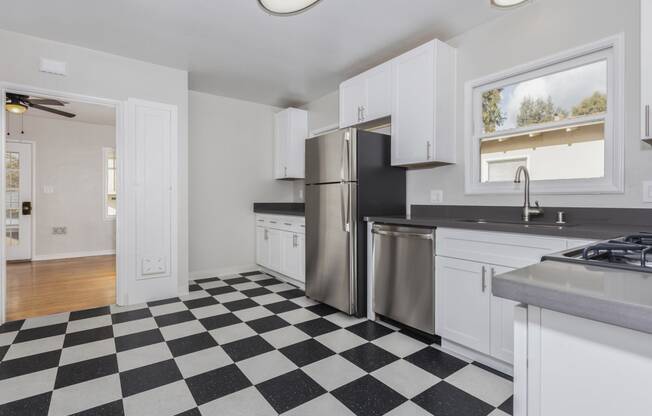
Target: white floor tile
325, 404
482, 384
166, 400
283, 337
45, 320
266, 366
230, 297
202, 361
211, 310
232, 333
253, 313
87, 351
298, 315
333, 372
132, 327
341, 340
181, 330
247, 402
140, 357
29, 385
405, 378
89, 323
82, 396
343, 320
268, 299
399, 344
167, 308
408, 409
36, 346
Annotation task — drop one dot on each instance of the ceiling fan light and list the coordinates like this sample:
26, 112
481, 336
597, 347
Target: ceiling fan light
16, 108
286, 7
508, 4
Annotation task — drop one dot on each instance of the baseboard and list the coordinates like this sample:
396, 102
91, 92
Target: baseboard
74, 255
283, 277
457, 349
223, 271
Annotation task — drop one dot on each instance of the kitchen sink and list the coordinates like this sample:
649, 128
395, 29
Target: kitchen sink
522, 223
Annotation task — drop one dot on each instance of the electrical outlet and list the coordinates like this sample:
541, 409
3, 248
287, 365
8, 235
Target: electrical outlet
59, 230
153, 265
647, 191
48, 189
436, 196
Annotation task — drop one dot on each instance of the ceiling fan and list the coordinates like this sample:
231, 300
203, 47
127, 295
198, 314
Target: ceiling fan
18, 104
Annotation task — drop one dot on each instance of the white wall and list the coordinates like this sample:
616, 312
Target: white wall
231, 167
108, 76
542, 28
68, 157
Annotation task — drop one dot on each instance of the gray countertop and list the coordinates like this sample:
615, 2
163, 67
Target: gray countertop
597, 231
617, 297
280, 208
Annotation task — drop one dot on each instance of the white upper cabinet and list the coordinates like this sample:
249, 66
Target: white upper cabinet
290, 133
423, 105
646, 70
366, 97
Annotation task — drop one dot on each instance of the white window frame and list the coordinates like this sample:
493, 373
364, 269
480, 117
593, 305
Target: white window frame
507, 159
106, 152
610, 49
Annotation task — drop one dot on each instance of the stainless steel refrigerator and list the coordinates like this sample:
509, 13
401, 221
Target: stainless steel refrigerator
348, 177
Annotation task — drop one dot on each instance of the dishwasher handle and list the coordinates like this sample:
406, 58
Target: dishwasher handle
401, 234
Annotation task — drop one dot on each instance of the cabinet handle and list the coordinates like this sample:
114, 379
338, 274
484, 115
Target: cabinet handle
294, 240
288, 224
285, 171
647, 121
266, 234
428, 150
273, 222
484, 278
358, 113
362, 109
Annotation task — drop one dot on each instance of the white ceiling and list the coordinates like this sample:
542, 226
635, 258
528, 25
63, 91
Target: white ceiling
233, 48
85, 113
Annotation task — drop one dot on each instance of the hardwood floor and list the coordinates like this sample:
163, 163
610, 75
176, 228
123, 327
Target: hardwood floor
53, 286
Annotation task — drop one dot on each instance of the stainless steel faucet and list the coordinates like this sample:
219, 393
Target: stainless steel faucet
528, 210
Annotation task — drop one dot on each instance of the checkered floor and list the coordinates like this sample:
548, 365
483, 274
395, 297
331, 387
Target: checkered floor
240, 345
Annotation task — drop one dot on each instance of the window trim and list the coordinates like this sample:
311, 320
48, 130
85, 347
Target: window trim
613, 181
105, 188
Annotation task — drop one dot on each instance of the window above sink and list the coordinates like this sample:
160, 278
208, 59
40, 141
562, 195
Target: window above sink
561, 117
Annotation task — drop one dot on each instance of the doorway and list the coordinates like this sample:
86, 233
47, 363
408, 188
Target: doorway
60, 205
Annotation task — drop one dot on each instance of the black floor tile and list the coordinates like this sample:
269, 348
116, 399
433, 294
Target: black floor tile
81, 371
492, 371
110, 409
149, 377
508, 406
259, 291
369, 357
192, 343
317, 327
200, 302
32, 406
137, 340
238, 305
90, 313
194, 288
306, 352
290, 390
420, 336
218, 383
322, 309
444, 399
254, 273
236, 281
219, 321
41, 332
269, 282
174, 318
292, 293
368, 396
191, 412
220, 290
120, 317
12, 326
207, 280
89, 335
269, 323
3, 351
247, 348
163, 302
436, 362
284, 306
29, 364
370, 330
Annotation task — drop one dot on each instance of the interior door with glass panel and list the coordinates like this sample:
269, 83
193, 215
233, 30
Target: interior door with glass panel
18, 201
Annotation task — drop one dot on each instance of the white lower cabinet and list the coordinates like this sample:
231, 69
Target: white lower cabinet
280, 245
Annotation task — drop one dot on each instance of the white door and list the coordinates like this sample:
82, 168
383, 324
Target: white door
301, 242
262, 247
18, 201
502, 322
463, 303
281, 145
291, 258
413, 112
379, 93
275, 250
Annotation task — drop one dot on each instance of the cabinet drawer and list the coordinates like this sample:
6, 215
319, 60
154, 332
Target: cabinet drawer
504, 249
282, 222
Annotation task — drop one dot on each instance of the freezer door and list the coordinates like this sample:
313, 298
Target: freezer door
331, 158
330, 245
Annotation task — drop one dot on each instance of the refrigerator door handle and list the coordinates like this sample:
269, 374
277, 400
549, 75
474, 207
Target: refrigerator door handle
345, 163
346, 207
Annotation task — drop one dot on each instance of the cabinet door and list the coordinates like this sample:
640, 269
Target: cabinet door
281, 145
290, 257
301, 273
295, 154
413, 113
502, 322
352, 99
378, 85
262, 247
463, 303
275, 250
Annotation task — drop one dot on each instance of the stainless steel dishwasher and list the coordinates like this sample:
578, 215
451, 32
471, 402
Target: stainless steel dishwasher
404, 275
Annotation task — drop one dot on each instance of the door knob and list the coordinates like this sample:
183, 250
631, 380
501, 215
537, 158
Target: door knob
27, 208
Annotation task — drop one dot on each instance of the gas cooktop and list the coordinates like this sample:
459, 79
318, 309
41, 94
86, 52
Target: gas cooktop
633, 252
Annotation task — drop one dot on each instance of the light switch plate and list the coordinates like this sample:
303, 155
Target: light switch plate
153, 265
647, 191
436, 196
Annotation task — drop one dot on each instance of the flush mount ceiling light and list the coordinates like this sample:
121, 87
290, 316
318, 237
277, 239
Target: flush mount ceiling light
15, 105
286, 7
507, 4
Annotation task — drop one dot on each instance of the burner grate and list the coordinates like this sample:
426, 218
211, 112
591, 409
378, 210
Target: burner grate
626, 251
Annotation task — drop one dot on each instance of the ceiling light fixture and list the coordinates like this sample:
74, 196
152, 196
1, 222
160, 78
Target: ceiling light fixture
286, 7
15, 106
507, 4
